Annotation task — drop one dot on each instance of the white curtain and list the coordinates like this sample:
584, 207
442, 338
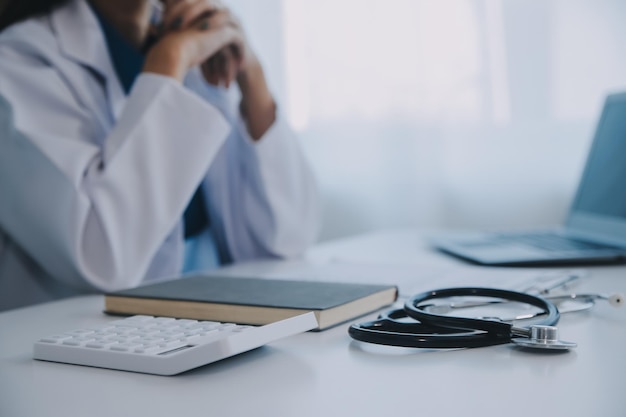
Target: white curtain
442, 113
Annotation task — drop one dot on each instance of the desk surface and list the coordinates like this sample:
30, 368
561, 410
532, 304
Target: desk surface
326, 373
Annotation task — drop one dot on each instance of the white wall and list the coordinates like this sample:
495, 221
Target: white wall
442, 113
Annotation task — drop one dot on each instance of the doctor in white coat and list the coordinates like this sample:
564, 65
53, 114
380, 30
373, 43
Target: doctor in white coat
98, 167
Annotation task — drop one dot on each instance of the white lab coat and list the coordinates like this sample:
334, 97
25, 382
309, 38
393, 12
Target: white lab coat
93, 183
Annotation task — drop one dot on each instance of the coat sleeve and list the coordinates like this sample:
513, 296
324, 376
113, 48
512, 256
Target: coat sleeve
262, 195
93, 211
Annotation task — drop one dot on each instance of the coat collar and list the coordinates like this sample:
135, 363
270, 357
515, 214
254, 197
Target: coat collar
81, 39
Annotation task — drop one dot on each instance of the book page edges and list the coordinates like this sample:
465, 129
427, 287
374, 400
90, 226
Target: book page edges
241, 314
356, 308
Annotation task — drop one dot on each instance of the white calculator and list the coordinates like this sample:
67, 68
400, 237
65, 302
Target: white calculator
163, 345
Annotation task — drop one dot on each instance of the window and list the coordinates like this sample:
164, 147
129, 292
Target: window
430, 113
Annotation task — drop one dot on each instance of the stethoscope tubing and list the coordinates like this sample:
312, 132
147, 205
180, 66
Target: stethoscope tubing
581, 302
491, 326
388, 330
436, 331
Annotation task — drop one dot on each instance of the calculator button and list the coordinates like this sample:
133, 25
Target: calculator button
123, 347
56, 338
72, 342
161, 347
242, 328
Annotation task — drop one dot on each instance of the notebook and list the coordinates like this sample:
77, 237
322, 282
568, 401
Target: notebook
595, 228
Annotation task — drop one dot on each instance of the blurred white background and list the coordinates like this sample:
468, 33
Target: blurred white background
450, 114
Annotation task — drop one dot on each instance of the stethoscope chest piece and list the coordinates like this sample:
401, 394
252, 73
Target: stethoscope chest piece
543, 337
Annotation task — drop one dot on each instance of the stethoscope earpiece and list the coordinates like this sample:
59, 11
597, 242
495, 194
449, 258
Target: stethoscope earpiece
616, 300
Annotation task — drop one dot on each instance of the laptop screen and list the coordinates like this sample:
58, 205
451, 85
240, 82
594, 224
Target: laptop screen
603, 187
599, 208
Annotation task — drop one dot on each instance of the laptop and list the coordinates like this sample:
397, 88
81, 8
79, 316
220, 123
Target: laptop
595, 228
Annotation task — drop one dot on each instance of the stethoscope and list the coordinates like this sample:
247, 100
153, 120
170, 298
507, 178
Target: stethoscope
420, 325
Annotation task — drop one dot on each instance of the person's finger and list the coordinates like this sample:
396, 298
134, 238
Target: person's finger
238, 51
209, 71
224, 68
221, 68
231, 65
184, 13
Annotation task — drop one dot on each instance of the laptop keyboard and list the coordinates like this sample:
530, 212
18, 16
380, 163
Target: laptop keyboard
551, 242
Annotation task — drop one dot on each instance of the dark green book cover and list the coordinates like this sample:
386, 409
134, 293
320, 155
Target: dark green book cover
219, 298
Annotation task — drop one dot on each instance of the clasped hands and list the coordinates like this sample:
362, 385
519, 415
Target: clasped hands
204, 33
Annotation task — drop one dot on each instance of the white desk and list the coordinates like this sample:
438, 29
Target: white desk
318, 374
